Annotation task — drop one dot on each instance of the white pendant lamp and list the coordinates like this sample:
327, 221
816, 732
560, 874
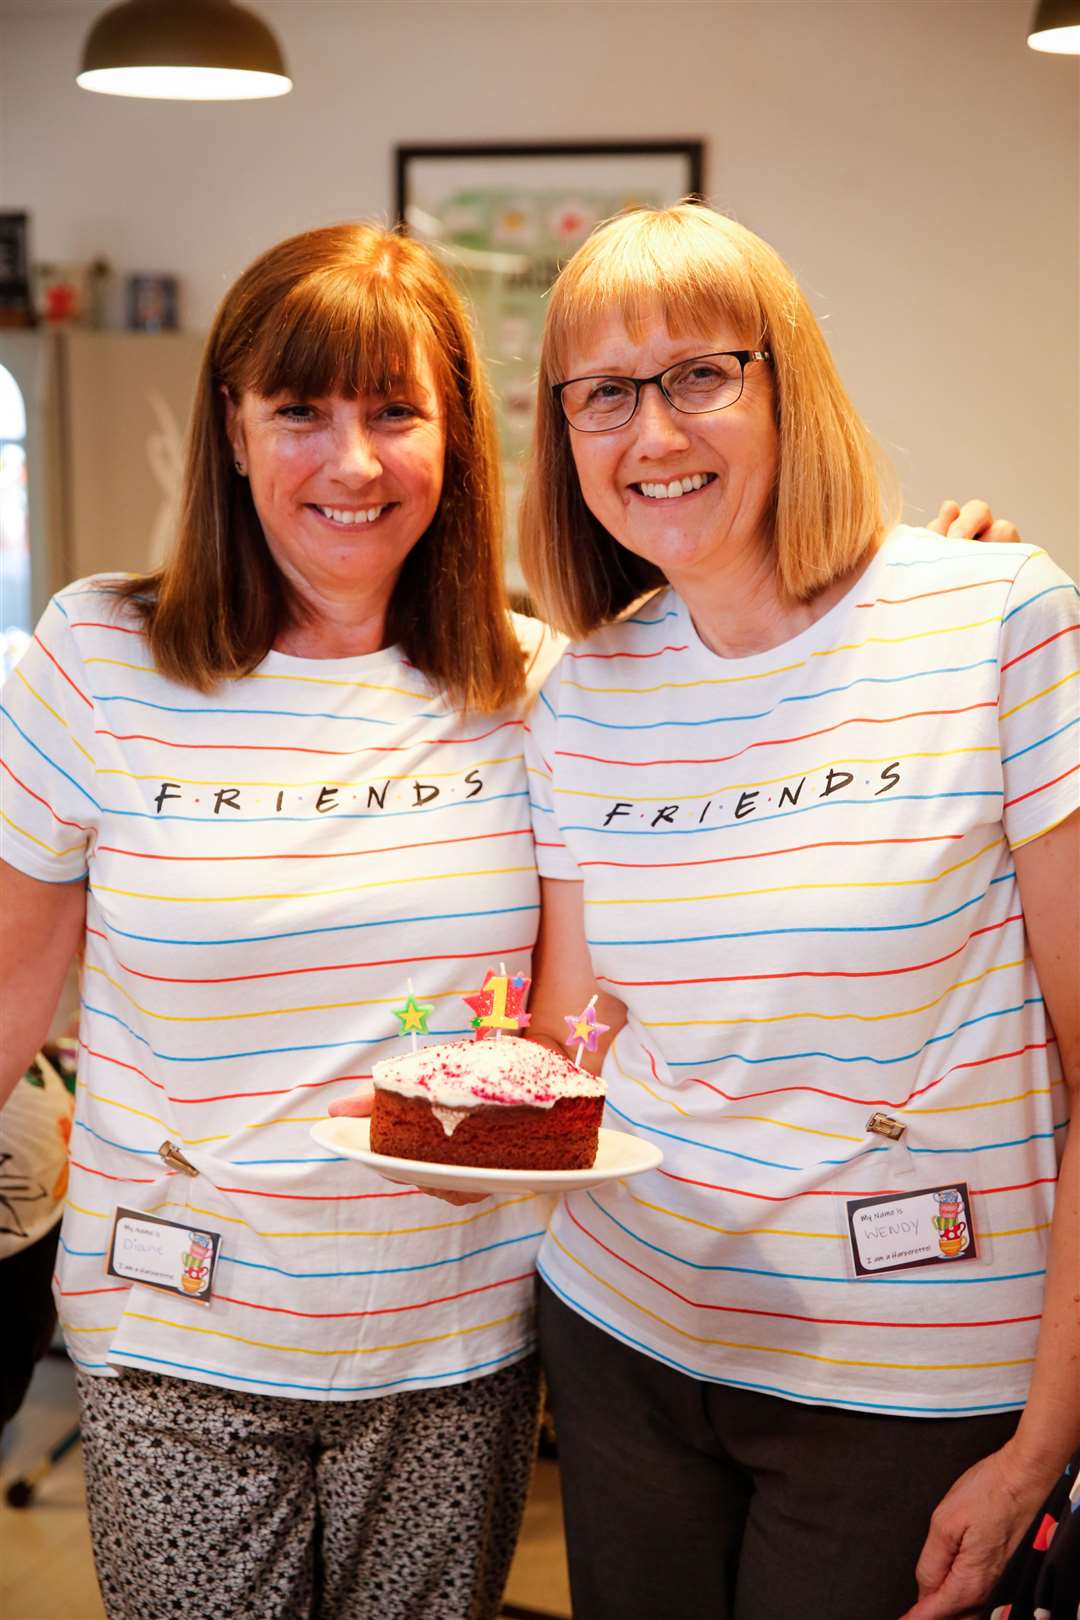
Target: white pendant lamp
1056, 27
183, 50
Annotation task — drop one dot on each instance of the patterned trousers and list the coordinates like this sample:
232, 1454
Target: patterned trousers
211, 1504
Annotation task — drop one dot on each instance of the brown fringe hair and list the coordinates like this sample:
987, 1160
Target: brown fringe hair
697, 269
340, 310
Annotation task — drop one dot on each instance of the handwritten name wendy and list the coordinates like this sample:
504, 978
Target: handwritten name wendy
738, 806
391, 792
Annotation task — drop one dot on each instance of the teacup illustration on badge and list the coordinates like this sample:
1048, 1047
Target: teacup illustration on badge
953, 1240
952, 1231
195, 1272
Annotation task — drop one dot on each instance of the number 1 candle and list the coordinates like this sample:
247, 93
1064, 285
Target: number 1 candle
499, 1004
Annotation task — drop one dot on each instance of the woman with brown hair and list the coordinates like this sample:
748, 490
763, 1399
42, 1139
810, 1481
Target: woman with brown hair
269, 792
805, 805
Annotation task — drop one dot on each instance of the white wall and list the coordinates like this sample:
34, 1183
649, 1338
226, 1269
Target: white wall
915, 162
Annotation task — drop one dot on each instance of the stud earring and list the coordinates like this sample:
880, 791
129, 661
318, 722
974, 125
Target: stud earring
241, 469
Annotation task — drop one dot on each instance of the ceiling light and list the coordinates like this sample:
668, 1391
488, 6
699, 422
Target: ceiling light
183, 50
1056, 27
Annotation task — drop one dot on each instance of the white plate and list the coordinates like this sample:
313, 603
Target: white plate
617, 1155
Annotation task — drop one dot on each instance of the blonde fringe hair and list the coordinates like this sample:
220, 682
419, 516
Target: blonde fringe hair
341, 310
697, 270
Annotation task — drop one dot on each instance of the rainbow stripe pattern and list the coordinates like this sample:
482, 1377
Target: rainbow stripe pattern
268, 866
799, 878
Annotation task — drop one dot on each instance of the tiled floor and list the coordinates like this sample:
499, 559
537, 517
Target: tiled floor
47, 1571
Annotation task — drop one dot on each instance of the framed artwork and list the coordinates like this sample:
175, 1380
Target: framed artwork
505, 218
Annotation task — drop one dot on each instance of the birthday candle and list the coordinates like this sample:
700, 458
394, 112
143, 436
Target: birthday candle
499, 1004
412, 1016
585, 1031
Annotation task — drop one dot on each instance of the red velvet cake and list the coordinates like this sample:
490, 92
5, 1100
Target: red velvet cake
510, 1104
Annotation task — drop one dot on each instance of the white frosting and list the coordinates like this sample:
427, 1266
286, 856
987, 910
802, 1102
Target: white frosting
462, 1075
449, 1118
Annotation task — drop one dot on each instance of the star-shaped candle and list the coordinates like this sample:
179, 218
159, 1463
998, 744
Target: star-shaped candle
585, 1030
499, 1004
412, 1016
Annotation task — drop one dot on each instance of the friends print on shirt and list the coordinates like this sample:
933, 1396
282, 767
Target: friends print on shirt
387, 793
739, 804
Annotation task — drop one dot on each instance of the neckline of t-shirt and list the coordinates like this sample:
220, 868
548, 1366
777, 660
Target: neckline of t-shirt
806, 640
391, 657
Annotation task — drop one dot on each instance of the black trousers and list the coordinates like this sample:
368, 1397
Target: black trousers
687, 1500
26, 1288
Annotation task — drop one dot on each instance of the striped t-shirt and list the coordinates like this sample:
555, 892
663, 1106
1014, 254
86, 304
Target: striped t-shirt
798, 878
269, 867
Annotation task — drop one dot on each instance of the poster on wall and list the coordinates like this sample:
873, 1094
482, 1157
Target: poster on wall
506, 218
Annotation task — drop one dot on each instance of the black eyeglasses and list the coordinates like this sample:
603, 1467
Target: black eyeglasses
706, 382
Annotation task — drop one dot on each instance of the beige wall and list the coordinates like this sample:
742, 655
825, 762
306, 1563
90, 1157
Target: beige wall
915, 162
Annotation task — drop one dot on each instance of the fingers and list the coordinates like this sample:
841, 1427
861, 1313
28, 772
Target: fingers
454, 1197
977, 522
972, 521
955, 1570
953, 1601
935, 1561
948, 512
358, 1106
927, 1609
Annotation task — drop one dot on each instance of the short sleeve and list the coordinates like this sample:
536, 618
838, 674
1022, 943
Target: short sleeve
553, 859
47, 751
1039, 700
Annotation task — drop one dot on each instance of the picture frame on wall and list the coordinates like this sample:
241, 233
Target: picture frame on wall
505, 218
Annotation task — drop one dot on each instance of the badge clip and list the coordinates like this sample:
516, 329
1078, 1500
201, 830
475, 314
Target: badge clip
173, 1157
882, 1125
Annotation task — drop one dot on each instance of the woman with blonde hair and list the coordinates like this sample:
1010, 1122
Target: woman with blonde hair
805, 805
270, 791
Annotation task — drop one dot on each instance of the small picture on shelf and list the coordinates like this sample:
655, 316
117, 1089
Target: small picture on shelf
153, 303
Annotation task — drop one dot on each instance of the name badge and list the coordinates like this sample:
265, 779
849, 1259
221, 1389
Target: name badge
163, 1254
929, 1227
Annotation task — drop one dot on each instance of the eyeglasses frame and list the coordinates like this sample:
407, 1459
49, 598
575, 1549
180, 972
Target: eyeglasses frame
743, 356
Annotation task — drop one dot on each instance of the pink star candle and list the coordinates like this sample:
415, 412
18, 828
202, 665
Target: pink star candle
585, 1031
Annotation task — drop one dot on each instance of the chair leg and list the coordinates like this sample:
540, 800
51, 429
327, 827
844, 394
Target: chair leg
20, 1492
